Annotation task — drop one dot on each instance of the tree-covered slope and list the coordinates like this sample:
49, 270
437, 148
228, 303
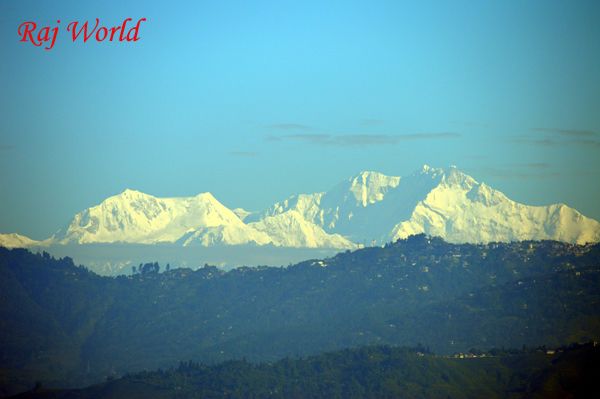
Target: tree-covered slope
64, 325
370, 372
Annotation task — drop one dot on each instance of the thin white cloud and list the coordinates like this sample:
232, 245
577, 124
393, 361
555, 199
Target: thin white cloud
349, 140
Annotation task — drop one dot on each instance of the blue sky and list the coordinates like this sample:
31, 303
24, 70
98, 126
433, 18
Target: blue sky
256, 100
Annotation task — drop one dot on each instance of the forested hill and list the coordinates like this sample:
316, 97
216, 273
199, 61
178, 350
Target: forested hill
371, 372
63, 325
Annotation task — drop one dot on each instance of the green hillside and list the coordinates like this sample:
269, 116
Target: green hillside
65, 326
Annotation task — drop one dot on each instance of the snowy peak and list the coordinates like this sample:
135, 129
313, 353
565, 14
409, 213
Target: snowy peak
450, 176
430, 171
459, 209
454, 177
14, 240
370, 187
130, 193
206, 197
136, 217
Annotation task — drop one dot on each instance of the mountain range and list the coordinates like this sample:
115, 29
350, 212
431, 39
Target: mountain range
368, 209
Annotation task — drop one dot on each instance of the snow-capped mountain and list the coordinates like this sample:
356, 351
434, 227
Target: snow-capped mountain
369, 208
365, 208
14, 240
460, 209
135, 217
374, 208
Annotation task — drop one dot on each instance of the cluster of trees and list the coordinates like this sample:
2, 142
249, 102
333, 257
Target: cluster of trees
148, 268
